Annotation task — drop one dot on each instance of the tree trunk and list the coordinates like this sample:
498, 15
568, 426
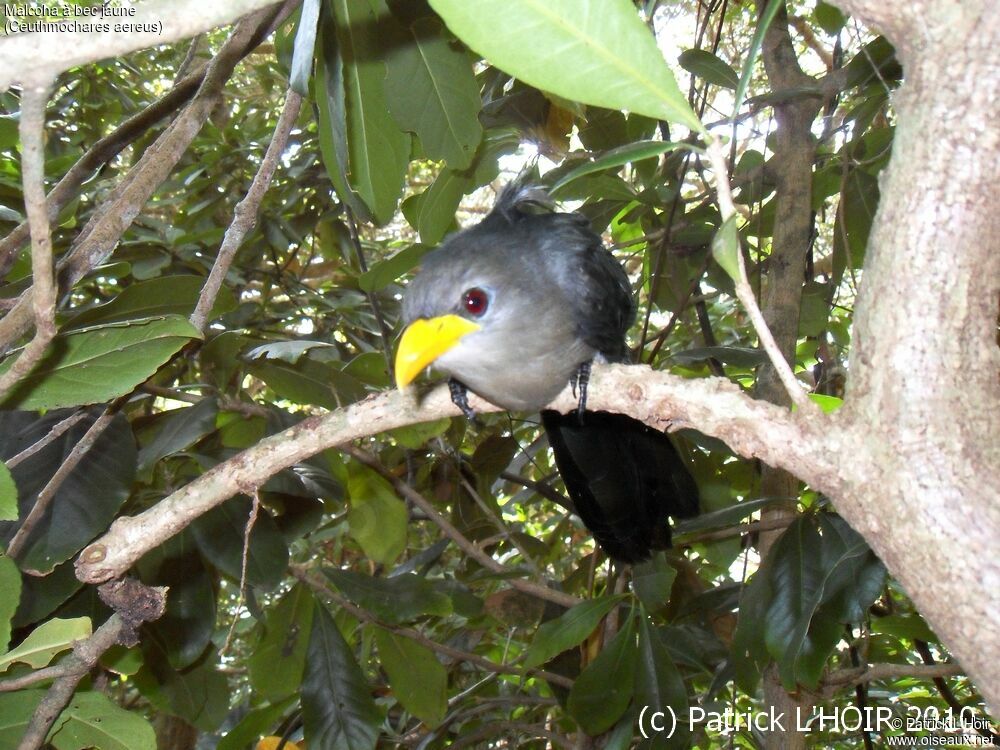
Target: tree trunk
922, 404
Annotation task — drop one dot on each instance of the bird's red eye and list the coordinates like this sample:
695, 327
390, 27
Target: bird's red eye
475, 301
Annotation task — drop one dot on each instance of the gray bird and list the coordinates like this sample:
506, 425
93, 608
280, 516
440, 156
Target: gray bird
515, 308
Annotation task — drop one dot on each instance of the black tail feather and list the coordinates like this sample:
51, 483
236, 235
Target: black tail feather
624, 478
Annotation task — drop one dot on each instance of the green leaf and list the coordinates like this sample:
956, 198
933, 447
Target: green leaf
187, 625
709, 67
9, 136
822, 576
220, 534
309, 382
10, 595
616, 157
97, 364
337, 705
568, 630
8, 495
415, 436
596, 52
259, 722
830, 19
437, 205
199, 695
88, 498
378, 520
178, 429
738, 356
393, 600
16, 709
658, 683
277, 662
46, 641
302, 51
378, 152
911, 627
93, 720
726, 247
391, 269
418, 680
165, 295
652, 581
432, 92
828, 404
603, 690
758, 39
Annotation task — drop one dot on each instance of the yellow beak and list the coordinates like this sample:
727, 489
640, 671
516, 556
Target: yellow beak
425, 340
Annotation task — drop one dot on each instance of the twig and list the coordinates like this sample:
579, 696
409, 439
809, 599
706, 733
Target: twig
471, 549
33, 100
245, 213
248, 529
717, 157
58, 429
858, 675
48, 492
480, 661
545, 490
384, 330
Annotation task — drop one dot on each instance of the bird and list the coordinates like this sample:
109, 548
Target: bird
516, 307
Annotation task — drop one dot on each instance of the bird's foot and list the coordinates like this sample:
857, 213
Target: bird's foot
460, 397
579, 381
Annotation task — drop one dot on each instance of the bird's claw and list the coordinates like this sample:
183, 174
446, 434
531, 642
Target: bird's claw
460, 397
580, 380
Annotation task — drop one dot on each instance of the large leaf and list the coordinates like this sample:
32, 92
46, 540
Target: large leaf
337, 705
616, 157
92, 720
199, 695
392, 600
96, 364
16, 710
277, 662
10, 595
603, 690
709, 67
8, 495
378, 520
432, 92
177, 429
567, 630
592, 51
658, 683
220, 534
385, 272
822, 575
46, 641
89, 496
257, 723
378, 151
305, 42
165, 295
417, 678
309, 382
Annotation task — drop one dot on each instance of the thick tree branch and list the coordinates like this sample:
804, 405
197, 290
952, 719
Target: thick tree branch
714, 406
42, 55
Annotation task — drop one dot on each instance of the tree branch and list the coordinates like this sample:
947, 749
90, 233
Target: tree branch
713, 406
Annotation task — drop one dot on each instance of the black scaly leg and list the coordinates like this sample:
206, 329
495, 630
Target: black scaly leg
460, 397
580, 380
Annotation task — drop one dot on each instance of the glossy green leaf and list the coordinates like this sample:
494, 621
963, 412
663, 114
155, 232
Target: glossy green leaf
8, 495
305, 43
378, 152
911, 627
277, 662
592, 51
616, 157
392, 268
16, 709
604, 689
88, 498
432, 92
658, 683
823, 575
176, 430
337, 705
393, 600
165, 295
829, 18
377, 520
46, 641
418, 680
10, 595
92, 365
188, 623
258, 722
709, 68
568, 630
726, 247
415, 436
828, 404
220, 534
309, 382
652, 581
93, 720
